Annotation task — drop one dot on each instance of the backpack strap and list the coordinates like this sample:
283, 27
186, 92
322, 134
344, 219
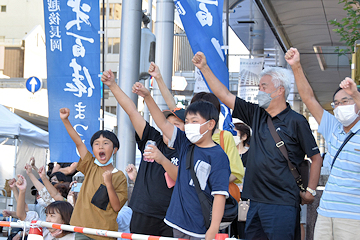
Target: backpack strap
222, 139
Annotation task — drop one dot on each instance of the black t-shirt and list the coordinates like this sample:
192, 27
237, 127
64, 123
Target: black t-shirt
151, 196
268, 178
244, 157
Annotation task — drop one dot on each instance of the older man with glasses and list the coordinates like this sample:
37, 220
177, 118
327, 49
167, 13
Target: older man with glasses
339, 209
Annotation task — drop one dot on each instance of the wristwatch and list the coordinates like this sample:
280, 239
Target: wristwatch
313, 192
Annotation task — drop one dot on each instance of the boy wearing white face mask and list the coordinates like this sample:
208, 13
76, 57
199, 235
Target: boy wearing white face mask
339, 209
211, 166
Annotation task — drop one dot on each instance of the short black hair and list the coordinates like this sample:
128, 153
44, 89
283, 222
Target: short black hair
65, 209
205, 109
210, 97
106, 134
61, 177
337, 90
243, 129
63, 188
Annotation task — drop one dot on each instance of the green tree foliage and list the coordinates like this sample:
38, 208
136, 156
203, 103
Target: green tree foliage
349, 26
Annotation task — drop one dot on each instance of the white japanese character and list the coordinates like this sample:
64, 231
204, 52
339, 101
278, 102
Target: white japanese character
80, 16
55, 44
204, 16
53, 5
80, 109
54, 19
78, 87
175, 161
83, 127
55, 31
180, 8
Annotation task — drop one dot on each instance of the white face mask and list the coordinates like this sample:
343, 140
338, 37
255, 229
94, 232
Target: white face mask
41, 202
345, 114
192, 131
237, 140
56, 233
264, 98
111, 160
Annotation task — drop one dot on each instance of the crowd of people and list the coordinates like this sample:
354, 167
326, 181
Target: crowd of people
164, 201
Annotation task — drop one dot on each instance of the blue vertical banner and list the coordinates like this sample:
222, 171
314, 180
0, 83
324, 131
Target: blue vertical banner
202, 21
73, 67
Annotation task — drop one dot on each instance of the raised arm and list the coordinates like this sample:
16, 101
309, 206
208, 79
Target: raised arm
166, 127
219, 89
12, 184
125, 102
154, 71
38, 185
292, 56
64, 114
54, 193
70, 169
20, 209
32, 164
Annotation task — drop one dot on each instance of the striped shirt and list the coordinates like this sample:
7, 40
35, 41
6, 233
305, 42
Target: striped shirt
341, 197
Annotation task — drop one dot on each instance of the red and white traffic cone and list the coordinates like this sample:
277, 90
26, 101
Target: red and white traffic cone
36, 232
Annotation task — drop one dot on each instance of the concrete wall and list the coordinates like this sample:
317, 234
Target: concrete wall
20, 17
35, 54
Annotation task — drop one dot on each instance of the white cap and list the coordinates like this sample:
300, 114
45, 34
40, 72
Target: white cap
236, 120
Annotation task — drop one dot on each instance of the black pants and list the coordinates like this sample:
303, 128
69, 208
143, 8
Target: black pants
143, 224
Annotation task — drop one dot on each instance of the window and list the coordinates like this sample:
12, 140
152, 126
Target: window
3, 8
111, 109
114, 11
117, 11
113, 45
101, 11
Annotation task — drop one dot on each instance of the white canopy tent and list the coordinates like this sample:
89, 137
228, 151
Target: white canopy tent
19, 140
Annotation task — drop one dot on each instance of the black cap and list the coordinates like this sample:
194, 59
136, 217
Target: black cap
177, 112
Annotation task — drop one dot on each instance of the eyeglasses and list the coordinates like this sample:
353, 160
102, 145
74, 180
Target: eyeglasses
344, 101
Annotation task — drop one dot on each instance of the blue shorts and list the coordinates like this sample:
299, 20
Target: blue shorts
271, 221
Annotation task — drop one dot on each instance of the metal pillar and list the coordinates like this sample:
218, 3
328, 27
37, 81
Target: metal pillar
128, 75
150, 14
257, 34
164, 31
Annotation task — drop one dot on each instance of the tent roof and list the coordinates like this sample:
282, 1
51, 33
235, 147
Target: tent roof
11, 125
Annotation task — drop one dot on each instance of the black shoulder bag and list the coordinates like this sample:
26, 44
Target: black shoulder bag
341, 147
302, 175
231, 206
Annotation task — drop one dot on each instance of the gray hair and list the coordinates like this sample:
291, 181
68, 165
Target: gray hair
280, 77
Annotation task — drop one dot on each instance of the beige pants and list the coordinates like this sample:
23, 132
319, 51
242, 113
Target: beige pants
327, 228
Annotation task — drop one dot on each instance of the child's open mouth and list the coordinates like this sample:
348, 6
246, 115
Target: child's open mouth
102, 156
